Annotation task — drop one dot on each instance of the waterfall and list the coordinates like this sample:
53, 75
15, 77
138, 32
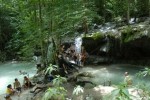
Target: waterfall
106, 46
50, 52
78, 43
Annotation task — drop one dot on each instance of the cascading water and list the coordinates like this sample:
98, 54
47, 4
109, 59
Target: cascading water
105, 47
50, 52
78, 43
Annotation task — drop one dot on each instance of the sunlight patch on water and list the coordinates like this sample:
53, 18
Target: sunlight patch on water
3, 80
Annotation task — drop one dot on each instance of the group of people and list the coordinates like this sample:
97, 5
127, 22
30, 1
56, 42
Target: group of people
71, 55
69, 59
17, 87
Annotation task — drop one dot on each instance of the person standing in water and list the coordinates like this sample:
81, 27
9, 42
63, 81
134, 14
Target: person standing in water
127, 79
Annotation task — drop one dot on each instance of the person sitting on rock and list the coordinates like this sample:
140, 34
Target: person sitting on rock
9, 91
27, 83
62, 65
17, 86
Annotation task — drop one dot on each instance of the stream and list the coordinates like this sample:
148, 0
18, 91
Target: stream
102, 73
9, 71
114, 73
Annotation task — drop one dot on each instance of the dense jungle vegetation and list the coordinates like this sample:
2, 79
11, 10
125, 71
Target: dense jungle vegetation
28, 25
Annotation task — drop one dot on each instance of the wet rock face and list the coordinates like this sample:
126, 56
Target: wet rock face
124, 42
93, 46
138, 48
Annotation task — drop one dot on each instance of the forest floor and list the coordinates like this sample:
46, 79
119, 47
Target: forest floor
98, 92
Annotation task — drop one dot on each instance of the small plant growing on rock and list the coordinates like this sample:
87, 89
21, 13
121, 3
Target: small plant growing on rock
144, 73
143, 91
58, 81
97, 35
57, 92
121, 93
145, 94
78, 92
51, 68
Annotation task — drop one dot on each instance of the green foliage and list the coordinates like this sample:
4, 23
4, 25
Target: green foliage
97, 35
127, 34
98, 20
3, 56
40, 20
26, 24
78, 90
143, 91
58, 81
142, 7
142, 88
8, 26
51, 68
121, 93
57, 93
145, 72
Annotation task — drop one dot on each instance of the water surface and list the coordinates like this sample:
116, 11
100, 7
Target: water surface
115, 73
9, 71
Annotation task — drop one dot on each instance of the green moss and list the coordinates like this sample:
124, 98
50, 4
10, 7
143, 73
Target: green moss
97, 35
129, 34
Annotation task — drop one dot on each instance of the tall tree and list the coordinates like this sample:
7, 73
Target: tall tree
128, 11
40, 20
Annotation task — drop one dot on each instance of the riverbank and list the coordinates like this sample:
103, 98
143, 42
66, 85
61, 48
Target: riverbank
97, 92
101, 74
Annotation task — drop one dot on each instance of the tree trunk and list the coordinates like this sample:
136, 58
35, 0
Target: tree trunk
40, 30
128, 11
85, 26
149, 7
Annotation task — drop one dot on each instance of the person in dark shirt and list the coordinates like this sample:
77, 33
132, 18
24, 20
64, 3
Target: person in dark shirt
62, 65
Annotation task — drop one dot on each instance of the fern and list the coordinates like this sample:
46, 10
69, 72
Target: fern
51, 68
78, 90
121, 93
55, 93
59, 80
